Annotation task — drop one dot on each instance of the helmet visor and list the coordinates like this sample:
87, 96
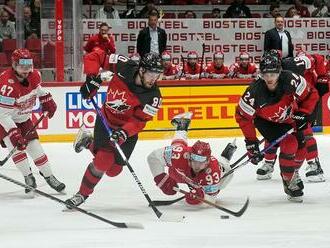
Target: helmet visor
269, 76
151, 75
198, 158
24, 65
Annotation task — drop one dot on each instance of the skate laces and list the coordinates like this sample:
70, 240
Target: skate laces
29, 180
53, 181
267, 166
312, 166
293, 185
77, 199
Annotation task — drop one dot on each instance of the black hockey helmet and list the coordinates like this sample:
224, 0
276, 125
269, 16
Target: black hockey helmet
270, 64
273, 52
152, 62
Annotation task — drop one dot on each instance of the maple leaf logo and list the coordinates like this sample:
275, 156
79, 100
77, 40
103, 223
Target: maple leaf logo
117, 101
282, 114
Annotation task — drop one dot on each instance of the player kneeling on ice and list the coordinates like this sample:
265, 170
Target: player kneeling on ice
180, 163
20, 86
133, 98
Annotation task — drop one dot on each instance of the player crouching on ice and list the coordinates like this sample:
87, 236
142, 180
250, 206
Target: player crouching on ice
167, 164
20, 86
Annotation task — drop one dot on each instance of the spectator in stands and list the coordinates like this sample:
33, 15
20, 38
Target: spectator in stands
108, 11
7, 28
301, 9
189, 14
319, 9
151, 38
274, 10
131, 12
103, 40
328, 64
216, 13
292, 13
217, 69
238, 9
31, 27
10, 7
244, 68
279, 39
35, 6
170, 71
192, 69
135, 57
150, 6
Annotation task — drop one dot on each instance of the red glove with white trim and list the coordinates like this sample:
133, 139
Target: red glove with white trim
17, 139
166, 183
191, 197
48, 105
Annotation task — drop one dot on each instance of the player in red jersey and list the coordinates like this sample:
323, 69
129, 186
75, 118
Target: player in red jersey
133, 98
191, 68
195, 162
312, 68
243, 69
170, 71
20, 87
275, 103
217, 69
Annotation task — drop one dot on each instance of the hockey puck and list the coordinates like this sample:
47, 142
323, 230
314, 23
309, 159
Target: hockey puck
224, 216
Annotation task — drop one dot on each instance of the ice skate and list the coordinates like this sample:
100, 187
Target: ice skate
75, 200
30, 181
54, 183
314, 172
294, 188
83, 139
266, 170
182, 121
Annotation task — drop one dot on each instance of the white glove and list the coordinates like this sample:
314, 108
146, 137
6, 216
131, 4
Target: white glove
106, 76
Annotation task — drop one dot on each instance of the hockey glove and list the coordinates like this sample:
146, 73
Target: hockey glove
17, 139
166, 183
191, 196
252, 147
322, 86
119, 136
301, 120
90, 87
48, 105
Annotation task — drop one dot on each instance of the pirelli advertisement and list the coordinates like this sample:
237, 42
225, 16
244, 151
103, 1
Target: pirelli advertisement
212, 104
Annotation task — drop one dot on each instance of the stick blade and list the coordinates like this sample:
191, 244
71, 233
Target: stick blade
134, 225
171, 218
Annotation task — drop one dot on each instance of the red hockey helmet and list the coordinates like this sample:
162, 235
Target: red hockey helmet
218, 55
200, 151
192, 55
166, 56
22, 61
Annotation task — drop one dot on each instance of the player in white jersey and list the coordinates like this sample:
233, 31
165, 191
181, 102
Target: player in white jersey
20, 86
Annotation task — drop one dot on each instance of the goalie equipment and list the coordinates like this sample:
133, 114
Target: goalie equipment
182, 121
83, 139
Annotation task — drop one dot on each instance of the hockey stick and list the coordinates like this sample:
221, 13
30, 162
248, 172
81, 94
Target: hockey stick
202, 61
159, 214
2, 162
166, 202
272, 144
213, 204
116, 224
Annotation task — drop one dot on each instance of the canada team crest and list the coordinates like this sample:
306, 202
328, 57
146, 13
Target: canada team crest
117, 101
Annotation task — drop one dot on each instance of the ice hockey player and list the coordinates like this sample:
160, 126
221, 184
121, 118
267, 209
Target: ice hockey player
275, 103
20, 87
217, 69
195, 162
171, 71
312, 68
244, 68
133, 98
191, 68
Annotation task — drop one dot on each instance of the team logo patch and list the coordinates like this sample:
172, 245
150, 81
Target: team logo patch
11, 81
117, 102
148, 109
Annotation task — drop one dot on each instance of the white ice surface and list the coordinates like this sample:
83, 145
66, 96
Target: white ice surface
270, 221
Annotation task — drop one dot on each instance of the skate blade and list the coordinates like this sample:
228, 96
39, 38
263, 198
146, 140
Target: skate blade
297, 199
264, 177
30, 195
316, 179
